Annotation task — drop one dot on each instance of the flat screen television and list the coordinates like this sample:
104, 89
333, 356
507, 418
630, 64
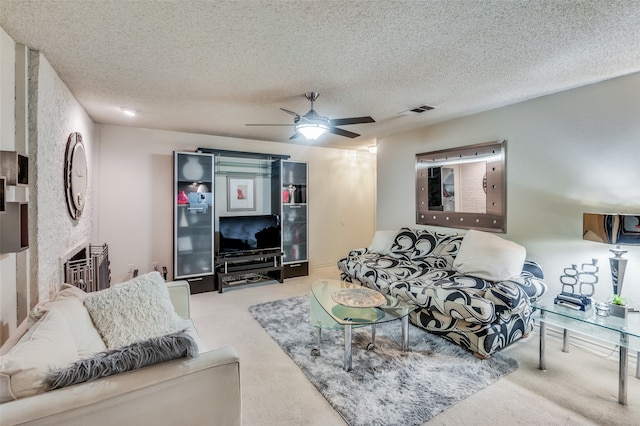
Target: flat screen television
248, 234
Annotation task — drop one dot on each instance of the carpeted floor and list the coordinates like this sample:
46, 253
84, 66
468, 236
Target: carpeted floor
385, 387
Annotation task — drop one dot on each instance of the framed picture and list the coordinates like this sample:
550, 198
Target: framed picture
241, 194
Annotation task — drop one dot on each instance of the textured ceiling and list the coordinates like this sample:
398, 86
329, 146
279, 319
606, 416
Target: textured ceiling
212, 66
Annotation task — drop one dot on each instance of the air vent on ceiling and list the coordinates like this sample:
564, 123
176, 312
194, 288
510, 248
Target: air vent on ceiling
417, 110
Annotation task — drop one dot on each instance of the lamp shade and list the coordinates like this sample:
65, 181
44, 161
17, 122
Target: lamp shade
611, 228
312, 131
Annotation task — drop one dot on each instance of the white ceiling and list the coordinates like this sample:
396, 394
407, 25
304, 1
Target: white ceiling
212, 66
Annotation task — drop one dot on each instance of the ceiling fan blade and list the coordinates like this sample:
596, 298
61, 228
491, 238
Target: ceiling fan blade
341, 132
270, 125
290, 112
352, 120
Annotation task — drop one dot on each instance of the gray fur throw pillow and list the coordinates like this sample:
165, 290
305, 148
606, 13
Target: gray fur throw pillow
132, 357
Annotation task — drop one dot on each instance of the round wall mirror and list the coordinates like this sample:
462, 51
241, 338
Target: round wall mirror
75, 175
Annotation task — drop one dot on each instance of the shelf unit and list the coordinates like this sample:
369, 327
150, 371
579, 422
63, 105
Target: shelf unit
3, 194
15, 168
247, 270
14, 215
14, 227
193, 216
289, 191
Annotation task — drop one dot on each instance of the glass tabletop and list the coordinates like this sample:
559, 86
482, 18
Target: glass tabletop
335, 315
607, 328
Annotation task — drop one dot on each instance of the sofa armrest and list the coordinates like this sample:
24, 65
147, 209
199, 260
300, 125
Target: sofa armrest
358, 252
179, 292
202, 390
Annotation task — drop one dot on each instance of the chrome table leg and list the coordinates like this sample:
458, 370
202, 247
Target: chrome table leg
622, 369
565, 341
542, 361
347, 347
405, 333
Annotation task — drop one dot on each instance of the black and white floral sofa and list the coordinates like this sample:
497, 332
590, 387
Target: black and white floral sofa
474, 289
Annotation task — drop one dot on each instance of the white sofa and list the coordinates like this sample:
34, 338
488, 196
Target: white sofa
193, 391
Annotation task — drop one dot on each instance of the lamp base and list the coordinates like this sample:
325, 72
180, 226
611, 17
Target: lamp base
618, 266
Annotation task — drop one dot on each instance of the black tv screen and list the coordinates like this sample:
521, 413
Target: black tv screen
245, 234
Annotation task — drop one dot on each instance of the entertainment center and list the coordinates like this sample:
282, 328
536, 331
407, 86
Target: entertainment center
239, 219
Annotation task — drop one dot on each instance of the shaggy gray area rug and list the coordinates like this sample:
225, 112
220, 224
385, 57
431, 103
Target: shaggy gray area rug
386, 386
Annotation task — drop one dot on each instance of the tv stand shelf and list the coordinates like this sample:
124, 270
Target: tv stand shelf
250, 269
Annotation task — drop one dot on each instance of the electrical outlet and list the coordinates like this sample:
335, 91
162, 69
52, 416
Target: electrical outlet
131, 268
156, 266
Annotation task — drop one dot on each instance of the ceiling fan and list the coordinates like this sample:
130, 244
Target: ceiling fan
312, 125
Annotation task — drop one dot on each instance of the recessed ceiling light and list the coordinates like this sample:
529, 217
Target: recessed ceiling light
128, 111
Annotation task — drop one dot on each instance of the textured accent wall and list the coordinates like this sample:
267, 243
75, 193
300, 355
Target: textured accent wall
54, 115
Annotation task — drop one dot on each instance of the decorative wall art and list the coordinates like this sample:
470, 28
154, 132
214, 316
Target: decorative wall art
241, 195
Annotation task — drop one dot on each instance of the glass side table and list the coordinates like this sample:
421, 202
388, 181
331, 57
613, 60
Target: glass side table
624, 333
325, 313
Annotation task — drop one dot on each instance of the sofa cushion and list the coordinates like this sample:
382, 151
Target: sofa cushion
132, 357
86, 337
66, 292
132, 311
488, 256
47, 345
460, 297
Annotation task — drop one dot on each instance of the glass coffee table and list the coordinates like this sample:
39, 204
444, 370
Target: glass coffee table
625, 333
327, 314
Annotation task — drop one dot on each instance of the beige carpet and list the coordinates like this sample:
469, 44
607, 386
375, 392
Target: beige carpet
579, 388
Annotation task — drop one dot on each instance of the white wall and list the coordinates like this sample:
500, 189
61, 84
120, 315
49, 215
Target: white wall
134, 206
567, 153
8, 306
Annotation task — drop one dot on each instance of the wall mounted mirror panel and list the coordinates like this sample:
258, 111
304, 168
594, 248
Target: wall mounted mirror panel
463, 187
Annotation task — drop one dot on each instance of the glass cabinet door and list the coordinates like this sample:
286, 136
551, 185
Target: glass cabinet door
294, 211
294, 232
193, 215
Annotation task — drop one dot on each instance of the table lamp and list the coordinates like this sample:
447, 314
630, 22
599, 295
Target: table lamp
615, 229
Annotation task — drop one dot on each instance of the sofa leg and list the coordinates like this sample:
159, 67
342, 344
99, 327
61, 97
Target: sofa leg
480, 356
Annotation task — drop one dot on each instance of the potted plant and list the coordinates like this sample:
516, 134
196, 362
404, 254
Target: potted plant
618, 306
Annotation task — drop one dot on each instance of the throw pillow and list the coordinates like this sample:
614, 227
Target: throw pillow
86, 337
132, 357
382, 242
488, 256
47, 345
132, 311
67, 291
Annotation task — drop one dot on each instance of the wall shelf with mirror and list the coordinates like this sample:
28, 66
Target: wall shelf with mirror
15, 168
462, 187
14, 227
3, 194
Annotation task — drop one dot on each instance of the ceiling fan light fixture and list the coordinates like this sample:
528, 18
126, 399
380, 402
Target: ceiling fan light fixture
312, 130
